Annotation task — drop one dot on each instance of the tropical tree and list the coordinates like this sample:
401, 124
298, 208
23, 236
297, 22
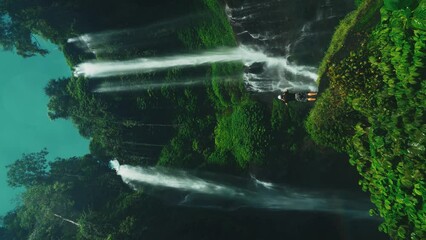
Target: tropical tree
29, 170
15, 36
46, 212
60, 101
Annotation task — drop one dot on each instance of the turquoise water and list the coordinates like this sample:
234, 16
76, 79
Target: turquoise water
24, 124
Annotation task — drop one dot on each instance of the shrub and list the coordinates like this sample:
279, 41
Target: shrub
332, 128
387, 145
244, 133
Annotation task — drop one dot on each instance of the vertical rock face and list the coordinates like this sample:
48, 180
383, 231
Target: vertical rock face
297, 33
299, 29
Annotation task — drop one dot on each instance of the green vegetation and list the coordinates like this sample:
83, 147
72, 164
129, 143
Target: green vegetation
28, 171
378, 94
349, 26
244, 134
56, 196
373, 110
217, 126
124, 125
15, 35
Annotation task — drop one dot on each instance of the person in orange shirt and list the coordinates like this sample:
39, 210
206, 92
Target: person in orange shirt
287, 96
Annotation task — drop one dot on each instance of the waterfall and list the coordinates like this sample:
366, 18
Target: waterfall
280, 71
144, 65
119, 39
259, 194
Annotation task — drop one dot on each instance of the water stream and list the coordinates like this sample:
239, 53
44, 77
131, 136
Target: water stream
281, 44
211, 191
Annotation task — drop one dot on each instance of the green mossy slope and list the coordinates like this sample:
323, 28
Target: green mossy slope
375, 105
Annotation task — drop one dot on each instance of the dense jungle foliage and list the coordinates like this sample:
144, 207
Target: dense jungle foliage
377, 88
185, 127
121, 125
217, 126
372, 107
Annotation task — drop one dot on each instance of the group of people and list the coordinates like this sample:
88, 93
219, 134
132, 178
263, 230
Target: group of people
287, 96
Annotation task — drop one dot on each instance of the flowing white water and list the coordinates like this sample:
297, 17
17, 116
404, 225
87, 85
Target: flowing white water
143, 65
112, 87
278, 74
115, 40
268, 196
265, 36
177, 179
276, 68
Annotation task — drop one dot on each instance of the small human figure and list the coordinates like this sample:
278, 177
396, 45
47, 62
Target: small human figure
287, 97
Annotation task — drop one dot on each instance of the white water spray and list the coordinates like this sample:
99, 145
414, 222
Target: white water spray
111, 87
143, 65
276, 68
178, 180
268, 196
118, 39
279, 75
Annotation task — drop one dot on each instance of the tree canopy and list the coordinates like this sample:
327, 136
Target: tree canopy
15, 35
29, 170
216, 125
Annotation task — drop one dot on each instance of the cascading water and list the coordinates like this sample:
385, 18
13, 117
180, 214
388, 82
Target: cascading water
114, 86
119, 87
175, 179
275, 68
118, 40
260, 195
143, 65
300, 31
278, 74
301, 42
